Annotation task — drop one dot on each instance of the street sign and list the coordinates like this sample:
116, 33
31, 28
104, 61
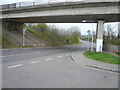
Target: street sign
89, 32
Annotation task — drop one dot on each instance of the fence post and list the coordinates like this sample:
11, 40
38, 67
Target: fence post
19, 4
34, 4
8, 6
49, 2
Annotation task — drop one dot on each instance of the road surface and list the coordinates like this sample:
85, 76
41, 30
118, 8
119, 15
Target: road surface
52, 68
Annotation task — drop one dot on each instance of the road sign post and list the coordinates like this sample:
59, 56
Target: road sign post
89, 32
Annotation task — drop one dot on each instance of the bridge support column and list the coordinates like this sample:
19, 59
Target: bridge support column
99, 41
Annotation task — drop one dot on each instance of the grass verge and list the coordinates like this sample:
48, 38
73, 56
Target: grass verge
102, 57
27, 47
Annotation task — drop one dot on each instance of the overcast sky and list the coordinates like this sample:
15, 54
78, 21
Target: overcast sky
83, 27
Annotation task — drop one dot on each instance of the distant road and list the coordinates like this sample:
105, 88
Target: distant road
52, 68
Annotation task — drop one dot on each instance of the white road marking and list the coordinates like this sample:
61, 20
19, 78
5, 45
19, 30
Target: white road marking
20, 54
48, 59
15, 66
8, 56
60, 56
34, 62
67, 54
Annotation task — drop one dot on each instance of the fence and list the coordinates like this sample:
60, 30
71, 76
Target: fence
111, 48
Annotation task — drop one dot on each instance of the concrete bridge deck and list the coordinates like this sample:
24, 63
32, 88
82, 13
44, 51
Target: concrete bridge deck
71, 12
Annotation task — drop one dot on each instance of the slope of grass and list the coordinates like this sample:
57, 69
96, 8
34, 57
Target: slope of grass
103, 57
53, 39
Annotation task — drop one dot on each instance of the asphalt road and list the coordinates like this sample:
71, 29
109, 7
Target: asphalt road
51, 68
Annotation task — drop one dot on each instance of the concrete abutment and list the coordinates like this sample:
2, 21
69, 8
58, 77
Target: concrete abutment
12, 26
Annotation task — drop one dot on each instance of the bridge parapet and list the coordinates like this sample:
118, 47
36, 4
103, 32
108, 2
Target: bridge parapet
49, 2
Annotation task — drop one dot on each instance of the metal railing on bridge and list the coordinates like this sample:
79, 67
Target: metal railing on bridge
47, 2
33, 4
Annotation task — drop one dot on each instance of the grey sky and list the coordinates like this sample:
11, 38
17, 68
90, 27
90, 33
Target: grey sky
82, 26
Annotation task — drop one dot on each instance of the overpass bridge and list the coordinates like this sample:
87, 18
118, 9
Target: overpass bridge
98, 11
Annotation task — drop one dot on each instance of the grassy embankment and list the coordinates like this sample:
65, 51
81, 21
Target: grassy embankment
103, 57
54, 36
55, 40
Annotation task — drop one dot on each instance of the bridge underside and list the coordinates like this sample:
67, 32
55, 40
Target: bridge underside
100, 19
66, 19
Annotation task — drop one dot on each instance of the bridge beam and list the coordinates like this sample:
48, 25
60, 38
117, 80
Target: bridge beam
99, 40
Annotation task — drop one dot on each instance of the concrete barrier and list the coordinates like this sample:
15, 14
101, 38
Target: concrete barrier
111, 48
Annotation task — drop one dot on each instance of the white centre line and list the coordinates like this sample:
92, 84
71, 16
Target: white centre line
34, 62
48, 59
15, 66
7, 56
60, 56
21, 54
67, 54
